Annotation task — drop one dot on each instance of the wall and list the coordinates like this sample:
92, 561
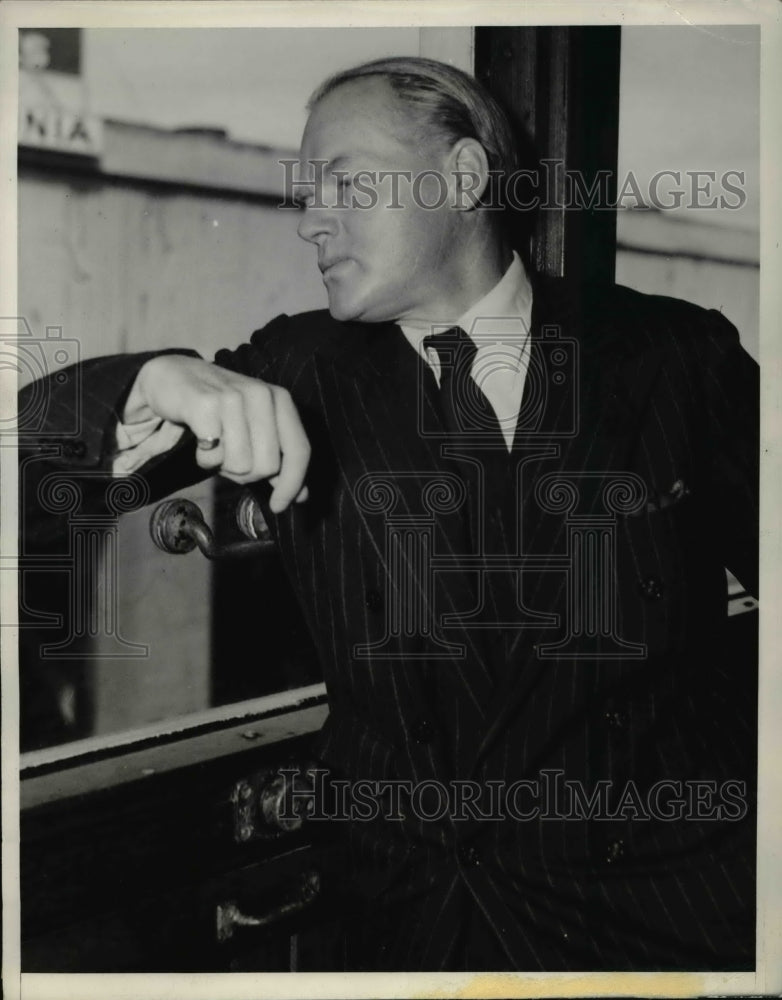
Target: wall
174, 241
714, 265
689, 107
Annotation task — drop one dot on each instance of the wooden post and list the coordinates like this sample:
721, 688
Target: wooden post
561, 85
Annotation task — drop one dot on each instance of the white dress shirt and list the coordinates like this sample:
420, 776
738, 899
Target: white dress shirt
498, 324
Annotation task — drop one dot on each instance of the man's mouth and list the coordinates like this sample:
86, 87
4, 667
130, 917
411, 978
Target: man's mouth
327, 267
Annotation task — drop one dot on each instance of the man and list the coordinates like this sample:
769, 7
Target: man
506, 507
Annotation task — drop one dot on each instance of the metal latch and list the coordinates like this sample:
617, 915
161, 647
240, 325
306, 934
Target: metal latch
304, 892
178, 526
272, 803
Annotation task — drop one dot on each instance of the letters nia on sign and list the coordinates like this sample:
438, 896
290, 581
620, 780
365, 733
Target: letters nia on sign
61, 130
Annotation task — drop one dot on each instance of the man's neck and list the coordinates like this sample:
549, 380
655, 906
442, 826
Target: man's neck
471, 276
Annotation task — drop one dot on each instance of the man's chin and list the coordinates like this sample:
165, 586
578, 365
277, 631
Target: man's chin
342, 310
358, 309
342, 315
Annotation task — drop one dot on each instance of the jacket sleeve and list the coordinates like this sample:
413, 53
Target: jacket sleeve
732, 393
66, 426
263, 356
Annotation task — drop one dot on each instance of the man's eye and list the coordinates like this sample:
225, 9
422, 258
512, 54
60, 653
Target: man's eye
303, 200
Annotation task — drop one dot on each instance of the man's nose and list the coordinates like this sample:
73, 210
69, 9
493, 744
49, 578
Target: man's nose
316, 222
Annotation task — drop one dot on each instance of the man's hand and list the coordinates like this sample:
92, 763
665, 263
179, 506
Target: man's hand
258, 427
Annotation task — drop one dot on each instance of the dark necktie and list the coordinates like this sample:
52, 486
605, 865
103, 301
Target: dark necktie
466, 410
474, 428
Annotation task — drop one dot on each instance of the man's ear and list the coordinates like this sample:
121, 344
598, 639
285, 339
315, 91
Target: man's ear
468, 174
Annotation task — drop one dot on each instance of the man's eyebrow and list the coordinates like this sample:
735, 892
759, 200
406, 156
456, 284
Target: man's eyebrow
306, 185
321, 167
338, 161
325, 166
341, 159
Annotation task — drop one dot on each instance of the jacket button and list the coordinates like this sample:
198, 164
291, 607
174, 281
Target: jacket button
467, 856
651, 588
374, 600
422, 731
678, 489
615, 851
75, 449
616, 719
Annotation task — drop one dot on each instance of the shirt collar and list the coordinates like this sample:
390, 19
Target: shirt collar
510, 299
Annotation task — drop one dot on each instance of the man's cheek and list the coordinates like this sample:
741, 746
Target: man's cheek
429, 191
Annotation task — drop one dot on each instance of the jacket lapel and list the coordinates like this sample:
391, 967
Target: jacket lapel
589, 403
379, 398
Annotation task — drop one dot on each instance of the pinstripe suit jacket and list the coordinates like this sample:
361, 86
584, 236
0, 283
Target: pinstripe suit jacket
649, 396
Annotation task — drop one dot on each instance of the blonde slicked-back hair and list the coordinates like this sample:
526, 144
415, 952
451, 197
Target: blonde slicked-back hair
446, 103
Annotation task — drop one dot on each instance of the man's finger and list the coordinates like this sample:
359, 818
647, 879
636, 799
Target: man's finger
262, 425
211, 457
237, 450
206, 424
294, 449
